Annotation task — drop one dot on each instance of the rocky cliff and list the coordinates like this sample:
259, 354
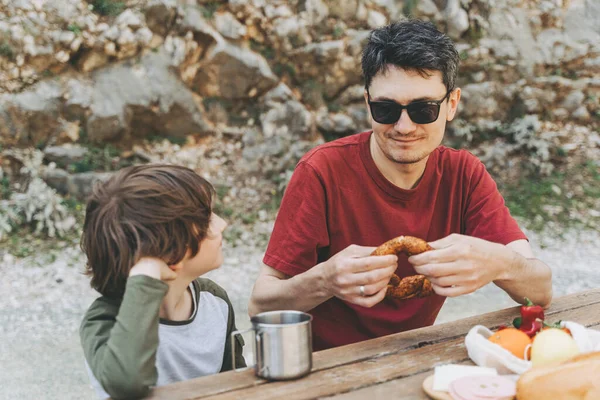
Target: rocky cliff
243, 88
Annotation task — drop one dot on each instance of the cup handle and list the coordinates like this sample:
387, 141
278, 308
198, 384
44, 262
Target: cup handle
233, 348
258, 355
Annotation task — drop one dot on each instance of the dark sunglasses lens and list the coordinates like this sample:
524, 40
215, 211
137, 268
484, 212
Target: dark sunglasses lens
423, 113
385, 112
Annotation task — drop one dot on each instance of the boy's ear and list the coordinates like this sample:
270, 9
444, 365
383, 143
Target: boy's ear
177, 267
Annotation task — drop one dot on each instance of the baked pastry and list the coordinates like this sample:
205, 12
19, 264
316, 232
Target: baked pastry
410, 286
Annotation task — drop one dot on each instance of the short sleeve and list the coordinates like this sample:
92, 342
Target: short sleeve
300, 229
486, 214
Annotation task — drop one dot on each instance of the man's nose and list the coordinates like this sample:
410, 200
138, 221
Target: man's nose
405, 125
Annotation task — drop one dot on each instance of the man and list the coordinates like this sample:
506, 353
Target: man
352, 194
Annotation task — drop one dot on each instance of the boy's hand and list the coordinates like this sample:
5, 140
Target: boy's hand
154, 268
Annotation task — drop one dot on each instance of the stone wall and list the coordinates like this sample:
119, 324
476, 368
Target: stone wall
280, 76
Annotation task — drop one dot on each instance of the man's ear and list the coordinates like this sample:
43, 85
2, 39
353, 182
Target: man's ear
453, 101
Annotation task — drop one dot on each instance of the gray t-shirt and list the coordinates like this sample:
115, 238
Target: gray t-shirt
188, 349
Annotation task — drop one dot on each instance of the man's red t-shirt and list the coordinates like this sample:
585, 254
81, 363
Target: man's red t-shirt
337, 197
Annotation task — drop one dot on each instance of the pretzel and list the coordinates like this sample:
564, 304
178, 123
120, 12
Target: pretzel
410, 286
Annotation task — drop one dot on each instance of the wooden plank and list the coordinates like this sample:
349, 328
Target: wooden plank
387, 345
351, 377
408, 387
397, 365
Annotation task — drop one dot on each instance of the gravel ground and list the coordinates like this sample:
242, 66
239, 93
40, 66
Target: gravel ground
44, 297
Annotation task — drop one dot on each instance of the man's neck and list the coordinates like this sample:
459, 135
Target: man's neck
177, 303
405, 176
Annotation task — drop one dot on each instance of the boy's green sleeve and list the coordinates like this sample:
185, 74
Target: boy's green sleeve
120, 338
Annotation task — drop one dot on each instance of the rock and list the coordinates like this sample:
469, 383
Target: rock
314, 11
144, 36
228, 26
280, 94
581, 113
146, 100
343, 9
560, 113
232, 72
65, 155
360, 116
130, 19
29, 117
273, 11
376, 19
321, 52
92, 60
57, 179
352, 94
479, 100
78, 98
574, 100
160, 15
290, 119
204, 33
80, 185
66, 37
457, 19
286, 27
69, 132
338, 123
428, 8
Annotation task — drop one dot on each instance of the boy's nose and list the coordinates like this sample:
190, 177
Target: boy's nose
221, 223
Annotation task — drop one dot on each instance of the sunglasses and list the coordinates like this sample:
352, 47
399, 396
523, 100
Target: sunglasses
388, 112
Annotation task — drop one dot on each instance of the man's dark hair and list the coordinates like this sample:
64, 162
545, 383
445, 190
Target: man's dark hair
149, 210
410, 45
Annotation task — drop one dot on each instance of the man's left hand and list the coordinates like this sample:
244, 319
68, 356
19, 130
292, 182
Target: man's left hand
460, 264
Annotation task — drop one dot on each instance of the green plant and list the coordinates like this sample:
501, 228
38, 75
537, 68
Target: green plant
97, 159
209, 9
7, 51
266, 51
76, 29
541, 201
281, 69
409, 7
338, 32
108, 7
4, 188
475, 33
334, 107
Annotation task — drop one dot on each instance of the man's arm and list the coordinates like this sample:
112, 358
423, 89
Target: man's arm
461, 264
340, 276
522, 269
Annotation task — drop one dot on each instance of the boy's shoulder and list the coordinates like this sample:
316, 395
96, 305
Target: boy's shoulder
207, 285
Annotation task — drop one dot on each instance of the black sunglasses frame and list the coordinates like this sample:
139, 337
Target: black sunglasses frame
410, 109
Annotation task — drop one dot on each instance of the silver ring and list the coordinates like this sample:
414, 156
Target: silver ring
362, 290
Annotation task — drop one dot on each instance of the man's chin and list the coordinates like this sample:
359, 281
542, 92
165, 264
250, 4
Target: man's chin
406, 159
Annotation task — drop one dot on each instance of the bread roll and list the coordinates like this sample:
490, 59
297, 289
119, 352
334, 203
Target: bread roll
575, 379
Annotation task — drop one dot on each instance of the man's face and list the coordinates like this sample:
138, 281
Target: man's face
406, 142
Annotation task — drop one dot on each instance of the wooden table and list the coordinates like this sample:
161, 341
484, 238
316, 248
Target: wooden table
390, 367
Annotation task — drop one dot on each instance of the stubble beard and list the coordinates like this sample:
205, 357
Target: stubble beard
412, 157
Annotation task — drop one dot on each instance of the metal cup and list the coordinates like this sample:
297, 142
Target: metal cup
282, 344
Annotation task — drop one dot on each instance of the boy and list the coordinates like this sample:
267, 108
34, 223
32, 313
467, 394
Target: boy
149, 233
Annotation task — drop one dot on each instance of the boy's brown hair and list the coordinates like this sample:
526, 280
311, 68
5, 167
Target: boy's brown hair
152, 210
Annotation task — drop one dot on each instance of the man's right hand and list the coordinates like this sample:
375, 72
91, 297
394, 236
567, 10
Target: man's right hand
352, 268
154, 268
